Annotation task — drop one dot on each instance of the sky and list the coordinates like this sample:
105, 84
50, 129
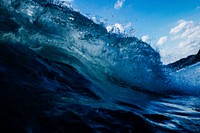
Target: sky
171, 27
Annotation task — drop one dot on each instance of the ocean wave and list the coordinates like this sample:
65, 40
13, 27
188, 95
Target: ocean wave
60, 71
45, 26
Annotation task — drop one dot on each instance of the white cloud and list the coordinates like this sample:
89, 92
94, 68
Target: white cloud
162, 40
145, 38
119, 4
183, 40
182, 25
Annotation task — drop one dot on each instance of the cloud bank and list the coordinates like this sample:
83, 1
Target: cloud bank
183, 40
119, 4
162, 40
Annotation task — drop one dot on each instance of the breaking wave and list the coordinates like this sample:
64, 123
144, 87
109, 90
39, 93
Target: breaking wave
63, 35
73, 59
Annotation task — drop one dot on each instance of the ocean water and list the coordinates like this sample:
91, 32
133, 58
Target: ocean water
61, 72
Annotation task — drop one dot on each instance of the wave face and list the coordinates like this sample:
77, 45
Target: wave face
60, 71
73, 39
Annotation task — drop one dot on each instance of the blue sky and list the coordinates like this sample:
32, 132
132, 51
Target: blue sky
168, 25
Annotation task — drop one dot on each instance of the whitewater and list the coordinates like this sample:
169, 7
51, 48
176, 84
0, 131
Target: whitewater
61, 72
